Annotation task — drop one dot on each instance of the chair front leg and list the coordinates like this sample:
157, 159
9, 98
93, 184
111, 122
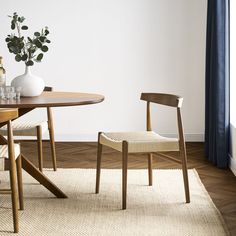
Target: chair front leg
13, 178
99, 157
185, 172
124, 173
14, 197
19, 181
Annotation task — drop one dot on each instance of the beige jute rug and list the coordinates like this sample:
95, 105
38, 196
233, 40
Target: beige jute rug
157, 210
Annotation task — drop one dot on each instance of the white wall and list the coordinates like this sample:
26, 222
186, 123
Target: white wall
118, 48
232, 148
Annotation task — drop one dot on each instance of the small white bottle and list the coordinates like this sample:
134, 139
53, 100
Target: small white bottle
2, 74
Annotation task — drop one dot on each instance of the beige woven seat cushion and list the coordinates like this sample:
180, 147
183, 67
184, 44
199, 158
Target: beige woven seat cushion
4, 154
22, 128
146, 141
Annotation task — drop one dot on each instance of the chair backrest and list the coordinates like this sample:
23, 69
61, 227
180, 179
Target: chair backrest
48, 89
163, 99
167, 100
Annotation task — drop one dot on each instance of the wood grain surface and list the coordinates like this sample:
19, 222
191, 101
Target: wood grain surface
53, 99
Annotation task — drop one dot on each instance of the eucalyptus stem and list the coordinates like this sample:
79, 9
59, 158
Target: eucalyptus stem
18, 29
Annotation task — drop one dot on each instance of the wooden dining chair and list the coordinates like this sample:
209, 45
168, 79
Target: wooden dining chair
10, 159
146, 142
36, 129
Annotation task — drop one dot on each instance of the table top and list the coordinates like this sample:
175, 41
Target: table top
53, 99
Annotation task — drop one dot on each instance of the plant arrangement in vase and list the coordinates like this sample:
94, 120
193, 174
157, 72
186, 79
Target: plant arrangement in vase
28, 50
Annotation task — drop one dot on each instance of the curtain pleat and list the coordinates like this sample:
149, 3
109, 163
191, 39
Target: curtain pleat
217, 83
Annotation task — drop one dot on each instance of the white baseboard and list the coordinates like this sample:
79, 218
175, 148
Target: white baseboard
188, 137
93, 137
76, 137
232, 164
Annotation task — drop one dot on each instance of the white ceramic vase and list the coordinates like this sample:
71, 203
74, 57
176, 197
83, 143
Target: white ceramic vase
31, 85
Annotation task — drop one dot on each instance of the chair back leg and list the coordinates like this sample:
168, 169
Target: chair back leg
19, 181
124, 173
150, 169
98, 172
40, 147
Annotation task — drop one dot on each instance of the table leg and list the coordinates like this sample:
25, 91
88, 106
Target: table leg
41, 178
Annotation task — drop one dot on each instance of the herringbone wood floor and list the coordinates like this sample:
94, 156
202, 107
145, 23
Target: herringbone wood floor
220, 184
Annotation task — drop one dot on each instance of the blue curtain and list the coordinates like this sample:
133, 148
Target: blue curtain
217, 83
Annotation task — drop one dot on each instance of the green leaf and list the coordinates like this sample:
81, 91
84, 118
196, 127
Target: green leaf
16, 50
42, 38
30, 40
38, 43
44, 48
39, 57
29, 63
7, 40
24, 27
37, 34
32, 50
21, 19
48, 41
24, 57
46, 32
10, 44
18, 57
13, 26
12, 49
21, 45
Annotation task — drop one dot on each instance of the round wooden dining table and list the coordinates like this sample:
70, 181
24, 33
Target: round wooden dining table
47, 99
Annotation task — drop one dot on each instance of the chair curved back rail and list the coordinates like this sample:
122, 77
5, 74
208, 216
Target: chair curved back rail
167, 100
163, 99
